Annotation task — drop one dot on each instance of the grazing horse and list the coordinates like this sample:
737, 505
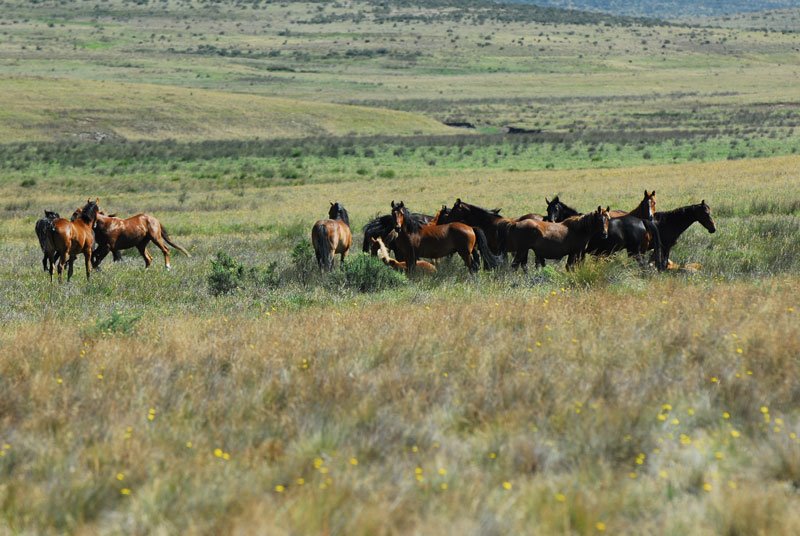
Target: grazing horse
550, 240
44, 226
400, 266
69, 238
672, 223
628, 232
489, 221
433, 241
115, 234
383, 227
332, 236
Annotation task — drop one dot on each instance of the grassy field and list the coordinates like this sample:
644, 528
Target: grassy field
244, 392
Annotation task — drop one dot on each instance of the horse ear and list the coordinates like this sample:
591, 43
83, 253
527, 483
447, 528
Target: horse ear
608, 209
392, 203
547, 201
654, 193
703, 202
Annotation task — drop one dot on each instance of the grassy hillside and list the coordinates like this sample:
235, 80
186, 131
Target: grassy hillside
62, 109
674, 9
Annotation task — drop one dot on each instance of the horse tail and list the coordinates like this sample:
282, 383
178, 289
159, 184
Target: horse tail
502, 238
490, 260
165, 235
658, 251
322, 246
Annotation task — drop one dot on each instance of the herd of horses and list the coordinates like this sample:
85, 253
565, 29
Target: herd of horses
93, 233
479, 236
483, 236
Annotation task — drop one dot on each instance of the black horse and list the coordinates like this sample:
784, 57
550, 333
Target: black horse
43, 228
629, 233
672, 223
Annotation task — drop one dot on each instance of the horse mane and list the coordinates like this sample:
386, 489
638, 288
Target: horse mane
678, 211
89, 212
480, 212
410, 224
570, 212
338, 212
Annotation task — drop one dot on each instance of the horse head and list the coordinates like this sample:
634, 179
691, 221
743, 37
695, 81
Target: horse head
399, 214
648, 205
602, 218
703, 213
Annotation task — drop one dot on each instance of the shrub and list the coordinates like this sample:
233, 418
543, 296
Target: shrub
227, 274
116, 323
366, 273
304, 263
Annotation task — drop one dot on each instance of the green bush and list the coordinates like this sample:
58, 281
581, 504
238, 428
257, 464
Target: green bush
304, 263
365, 273
116, 323
227, 274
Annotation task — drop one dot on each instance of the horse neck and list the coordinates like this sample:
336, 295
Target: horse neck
484, 218
580, 224
568, 212
675, 222
641, 210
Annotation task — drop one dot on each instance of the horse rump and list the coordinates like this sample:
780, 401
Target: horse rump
322, 246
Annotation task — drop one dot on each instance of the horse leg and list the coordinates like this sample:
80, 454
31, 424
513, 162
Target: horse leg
87, 259
145, 255
164, 250
540, 262
71, 263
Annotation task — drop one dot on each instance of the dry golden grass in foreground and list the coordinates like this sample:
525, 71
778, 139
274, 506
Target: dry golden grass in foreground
671, 408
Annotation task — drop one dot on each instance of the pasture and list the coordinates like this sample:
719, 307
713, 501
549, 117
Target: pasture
245, 392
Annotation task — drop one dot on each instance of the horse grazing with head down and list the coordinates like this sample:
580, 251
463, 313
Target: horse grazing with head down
550, 240
44, 226
115, 234
433, 241
332, 236
69, 238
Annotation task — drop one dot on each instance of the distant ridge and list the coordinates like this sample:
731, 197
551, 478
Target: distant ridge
673, 9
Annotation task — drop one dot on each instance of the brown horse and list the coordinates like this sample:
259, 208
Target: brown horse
115, 234
489, 221
383, 254
432, 241
332, 236
69, 238
555, 240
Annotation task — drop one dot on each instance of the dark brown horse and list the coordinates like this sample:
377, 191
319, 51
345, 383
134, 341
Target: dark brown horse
44, 226
116, 234
489, 221
628, 232
70, 238
433, 241
672, 223
551, 240
332, 236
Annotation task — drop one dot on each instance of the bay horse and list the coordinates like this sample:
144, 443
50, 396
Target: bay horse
44, 226
116, 234
550, 240
433, 241
400, 266
332, 236
628, 232
672, 223
382, 227
69, 238
489, 221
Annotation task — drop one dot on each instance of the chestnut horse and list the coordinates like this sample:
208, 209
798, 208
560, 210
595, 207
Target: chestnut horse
332, 236
43, 228
551, 240
383, 254
115, 234
433, 241
69, 238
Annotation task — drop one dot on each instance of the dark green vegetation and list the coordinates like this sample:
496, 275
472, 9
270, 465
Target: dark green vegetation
670, 9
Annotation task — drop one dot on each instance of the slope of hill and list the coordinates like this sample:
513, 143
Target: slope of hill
671, 9
37, 109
